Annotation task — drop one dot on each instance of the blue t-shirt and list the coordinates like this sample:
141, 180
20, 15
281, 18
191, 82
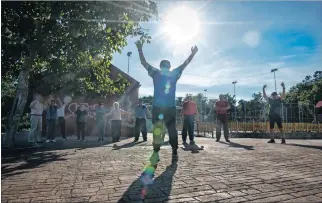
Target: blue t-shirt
51, 113
140, 111
164, 86
100, 112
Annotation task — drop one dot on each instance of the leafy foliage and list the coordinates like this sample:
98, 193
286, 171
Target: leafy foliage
71, 44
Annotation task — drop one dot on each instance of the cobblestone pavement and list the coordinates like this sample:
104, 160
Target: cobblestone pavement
247, 170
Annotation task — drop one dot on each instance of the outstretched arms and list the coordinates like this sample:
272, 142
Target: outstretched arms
194, 50
283, 94
151, 70
264, 92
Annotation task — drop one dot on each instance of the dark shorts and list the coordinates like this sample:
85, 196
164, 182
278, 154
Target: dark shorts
275, 118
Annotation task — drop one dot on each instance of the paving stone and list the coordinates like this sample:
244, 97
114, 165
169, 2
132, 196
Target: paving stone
221, 172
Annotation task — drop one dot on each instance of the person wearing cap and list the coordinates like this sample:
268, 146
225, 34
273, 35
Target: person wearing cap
141, 112
163, 104
101, 113
189, 111
221, 108
275, 103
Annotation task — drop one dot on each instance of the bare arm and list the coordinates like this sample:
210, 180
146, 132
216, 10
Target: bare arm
283, 94
32, 105
264, 92
194, 50
151, 70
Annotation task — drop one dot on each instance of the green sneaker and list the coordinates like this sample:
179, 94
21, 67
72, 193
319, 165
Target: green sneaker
154, 159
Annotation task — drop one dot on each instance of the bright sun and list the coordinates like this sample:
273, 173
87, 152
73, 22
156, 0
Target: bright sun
181, 25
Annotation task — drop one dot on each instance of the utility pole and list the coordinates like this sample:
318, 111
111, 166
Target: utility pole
128, 62
234, 83
273, 71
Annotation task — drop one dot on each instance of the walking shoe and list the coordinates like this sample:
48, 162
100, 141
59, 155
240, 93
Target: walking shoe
154, 159
192, 142
135, 140
271, 141
283, 141
47, 141
184, 143
53, 140
174, 156
64, 138
217, 140
145, 140
227, 140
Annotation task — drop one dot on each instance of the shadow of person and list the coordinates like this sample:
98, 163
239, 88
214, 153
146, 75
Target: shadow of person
145, 188
194, 148
307, 146
236, 145
127, 145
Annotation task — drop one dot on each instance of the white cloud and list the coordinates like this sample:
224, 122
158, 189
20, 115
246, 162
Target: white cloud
252, 38
276, 64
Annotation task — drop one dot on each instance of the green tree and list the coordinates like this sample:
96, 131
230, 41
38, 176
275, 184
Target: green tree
54, 43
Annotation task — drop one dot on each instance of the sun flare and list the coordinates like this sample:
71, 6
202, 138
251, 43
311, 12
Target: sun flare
181, 25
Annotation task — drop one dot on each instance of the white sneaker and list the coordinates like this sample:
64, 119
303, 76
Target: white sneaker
53, 140
47, 141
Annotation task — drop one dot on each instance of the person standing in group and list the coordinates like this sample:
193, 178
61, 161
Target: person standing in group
221, 108
101, 113
61, 117
36, 108
141, 112
51, 118
81, 114
116, 121
164, 105
189, 113
275, 104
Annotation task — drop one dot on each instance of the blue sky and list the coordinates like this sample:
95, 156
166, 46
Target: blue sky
237, 41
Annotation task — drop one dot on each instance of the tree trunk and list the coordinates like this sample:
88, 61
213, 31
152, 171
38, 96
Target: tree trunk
18, 104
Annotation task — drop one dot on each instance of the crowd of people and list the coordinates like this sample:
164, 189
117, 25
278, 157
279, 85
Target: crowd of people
163, 113
55, 118
164, 107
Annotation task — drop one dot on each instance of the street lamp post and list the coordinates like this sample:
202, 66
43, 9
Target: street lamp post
205, 106
128, 62
273, 71
234, 83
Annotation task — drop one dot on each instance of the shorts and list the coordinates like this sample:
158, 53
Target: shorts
275, 118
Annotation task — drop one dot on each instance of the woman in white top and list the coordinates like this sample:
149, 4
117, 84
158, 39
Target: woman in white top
36, 108
116, 121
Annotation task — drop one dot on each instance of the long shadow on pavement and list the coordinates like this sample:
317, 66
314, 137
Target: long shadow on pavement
236, 145
15, 164
127, 145
307, 146
144, 188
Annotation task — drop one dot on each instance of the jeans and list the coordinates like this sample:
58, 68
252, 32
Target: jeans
61, 121
116, 129
188, 125
35, 128
140, 125
165, 116
51, 124
222, 120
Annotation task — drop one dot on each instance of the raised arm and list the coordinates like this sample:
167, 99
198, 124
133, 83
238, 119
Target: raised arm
145, 64
33, 104
194, 50
264, 92
283, 94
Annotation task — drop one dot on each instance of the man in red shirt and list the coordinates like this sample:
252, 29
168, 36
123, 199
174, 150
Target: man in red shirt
189, 111
221, 108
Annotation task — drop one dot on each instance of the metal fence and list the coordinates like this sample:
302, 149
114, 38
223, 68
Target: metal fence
296, 117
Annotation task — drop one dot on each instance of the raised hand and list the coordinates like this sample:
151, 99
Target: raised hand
282, 84
264, 86
194, 49
139, 44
